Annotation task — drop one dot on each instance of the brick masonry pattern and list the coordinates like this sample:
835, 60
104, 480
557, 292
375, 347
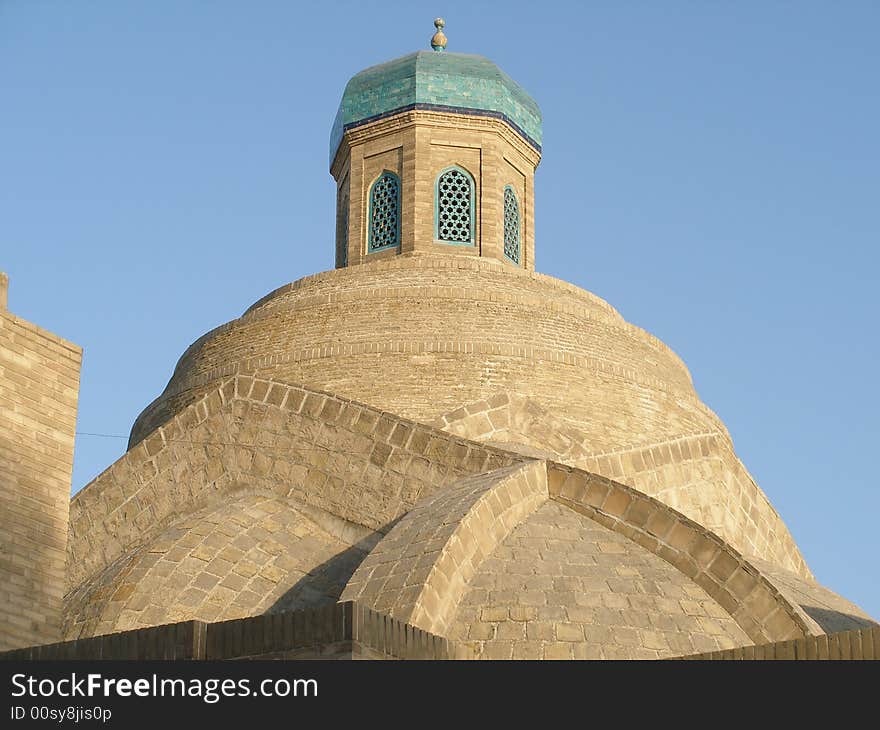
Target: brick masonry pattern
419, 572
39, 387
457, 553
337, 631
248, 555
364, 467
603, 380
698, 475
351, 631
443, 504
564, 587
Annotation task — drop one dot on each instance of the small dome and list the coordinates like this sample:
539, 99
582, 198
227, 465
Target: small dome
453, 82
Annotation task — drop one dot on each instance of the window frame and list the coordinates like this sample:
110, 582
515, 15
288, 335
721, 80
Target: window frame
519, 241
473, 208
370, 206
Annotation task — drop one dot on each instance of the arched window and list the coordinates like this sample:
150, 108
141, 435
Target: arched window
384, 229
454, 207
511, 225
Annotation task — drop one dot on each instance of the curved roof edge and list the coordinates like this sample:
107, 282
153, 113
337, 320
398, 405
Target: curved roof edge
450, 82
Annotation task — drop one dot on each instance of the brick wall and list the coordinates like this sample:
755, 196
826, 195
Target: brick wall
39, 385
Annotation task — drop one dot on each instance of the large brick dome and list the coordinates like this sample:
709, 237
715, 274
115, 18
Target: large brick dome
497, 354
433, 443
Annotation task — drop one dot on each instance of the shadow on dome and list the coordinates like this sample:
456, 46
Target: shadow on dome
831, 621
325, 582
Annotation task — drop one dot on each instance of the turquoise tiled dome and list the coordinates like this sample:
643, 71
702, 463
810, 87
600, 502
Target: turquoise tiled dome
456, 82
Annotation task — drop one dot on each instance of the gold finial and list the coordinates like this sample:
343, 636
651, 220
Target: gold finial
438, 41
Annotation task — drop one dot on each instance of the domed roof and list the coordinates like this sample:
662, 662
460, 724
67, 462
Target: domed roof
456, 82
513, 358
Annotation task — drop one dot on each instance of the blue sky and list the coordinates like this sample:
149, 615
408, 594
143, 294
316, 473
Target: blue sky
711, 169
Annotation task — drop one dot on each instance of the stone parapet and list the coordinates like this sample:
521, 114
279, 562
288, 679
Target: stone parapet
348, 630
857, 644
340, 631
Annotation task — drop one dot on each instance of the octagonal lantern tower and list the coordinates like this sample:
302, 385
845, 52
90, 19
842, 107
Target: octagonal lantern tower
435, 152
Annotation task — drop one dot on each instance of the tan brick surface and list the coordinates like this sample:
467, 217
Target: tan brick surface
855, 644
39, 385
735, 583
338, 631
699, 476
828, 611
493, 463
420, 570
561, 586
249, 555
361, 466
417, 145
360, 470
452, 332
